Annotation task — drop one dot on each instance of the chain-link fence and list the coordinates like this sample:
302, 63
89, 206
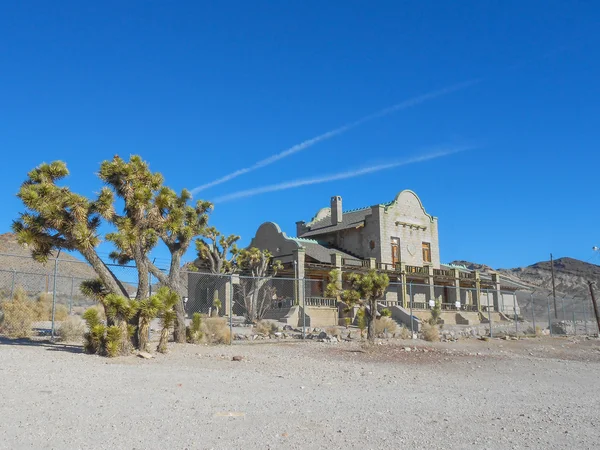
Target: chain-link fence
38, 298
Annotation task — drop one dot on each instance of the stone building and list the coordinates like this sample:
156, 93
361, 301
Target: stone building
399, 238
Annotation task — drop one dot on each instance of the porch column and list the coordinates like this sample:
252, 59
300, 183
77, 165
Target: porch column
477, 293
233, 280
456, 273
402, 297
336, 261
299, 260
431, 283
496, 292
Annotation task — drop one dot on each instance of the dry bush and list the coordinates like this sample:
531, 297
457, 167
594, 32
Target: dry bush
431, 333
71, 329
333, 331
385, 324
18, 315
265, 327
405, 333
216, 330
42, 307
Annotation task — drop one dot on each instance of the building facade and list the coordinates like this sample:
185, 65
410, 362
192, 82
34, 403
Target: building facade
399, 238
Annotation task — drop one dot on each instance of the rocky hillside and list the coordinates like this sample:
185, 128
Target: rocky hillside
15, 258
571, 275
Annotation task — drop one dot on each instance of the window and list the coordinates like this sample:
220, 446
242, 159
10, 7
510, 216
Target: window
395, 251
426, 252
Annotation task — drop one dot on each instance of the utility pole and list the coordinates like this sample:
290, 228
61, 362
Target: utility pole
553, 286
591, 286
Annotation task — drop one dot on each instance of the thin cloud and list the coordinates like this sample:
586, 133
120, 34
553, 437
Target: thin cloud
336, 132
339, 176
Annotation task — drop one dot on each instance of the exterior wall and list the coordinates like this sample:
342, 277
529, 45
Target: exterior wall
270, 237
408, 210
322, 316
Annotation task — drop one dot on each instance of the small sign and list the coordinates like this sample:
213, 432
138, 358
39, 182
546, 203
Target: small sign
431, 303
457, 304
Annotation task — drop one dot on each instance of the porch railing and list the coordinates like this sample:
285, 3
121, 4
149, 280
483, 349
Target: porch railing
388, 267
417, 270
466, 275
443, 273
321, 301
351, 262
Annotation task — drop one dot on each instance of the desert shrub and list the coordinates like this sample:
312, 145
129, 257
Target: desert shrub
386, 313
194, 330
216, 330
436, 313
538, 330
265, 327
18, 317
71, 330
385, 324
333, 331
61, 312
405, 333
42, 307
430, 333
347, 321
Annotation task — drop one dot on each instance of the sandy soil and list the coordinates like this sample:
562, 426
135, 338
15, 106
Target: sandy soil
536, 393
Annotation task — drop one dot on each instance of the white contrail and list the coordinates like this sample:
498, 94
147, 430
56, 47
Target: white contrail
310, 142
338, 176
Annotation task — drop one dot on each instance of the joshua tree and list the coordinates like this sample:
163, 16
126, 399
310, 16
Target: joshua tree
167, 316
260, 266
179, 223
216, 252
57, 218
364, 291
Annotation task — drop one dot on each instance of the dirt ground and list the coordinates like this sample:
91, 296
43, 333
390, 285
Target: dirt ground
533, 393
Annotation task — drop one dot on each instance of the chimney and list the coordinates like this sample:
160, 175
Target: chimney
336, 210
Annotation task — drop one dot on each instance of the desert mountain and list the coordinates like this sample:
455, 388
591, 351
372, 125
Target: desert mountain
571, 275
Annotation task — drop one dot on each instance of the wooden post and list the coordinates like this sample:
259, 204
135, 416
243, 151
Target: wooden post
591, 285
553, 286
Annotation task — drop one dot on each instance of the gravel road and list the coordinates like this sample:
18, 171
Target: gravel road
537, 393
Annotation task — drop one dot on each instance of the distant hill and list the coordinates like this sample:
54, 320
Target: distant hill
571, 275
14, 257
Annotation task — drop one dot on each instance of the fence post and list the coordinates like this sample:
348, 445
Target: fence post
12, 287
584, 315
549, 318
532, 311
301, 281
515, 311
231, 309
54, 296
562, 303
487, 295
412, 328
71, 297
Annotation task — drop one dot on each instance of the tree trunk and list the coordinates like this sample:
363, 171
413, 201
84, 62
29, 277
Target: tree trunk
164, 338
139, 338
143, 334
125, 341
104, 273
371, 316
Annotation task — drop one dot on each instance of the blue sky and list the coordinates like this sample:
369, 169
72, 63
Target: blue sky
200, 90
